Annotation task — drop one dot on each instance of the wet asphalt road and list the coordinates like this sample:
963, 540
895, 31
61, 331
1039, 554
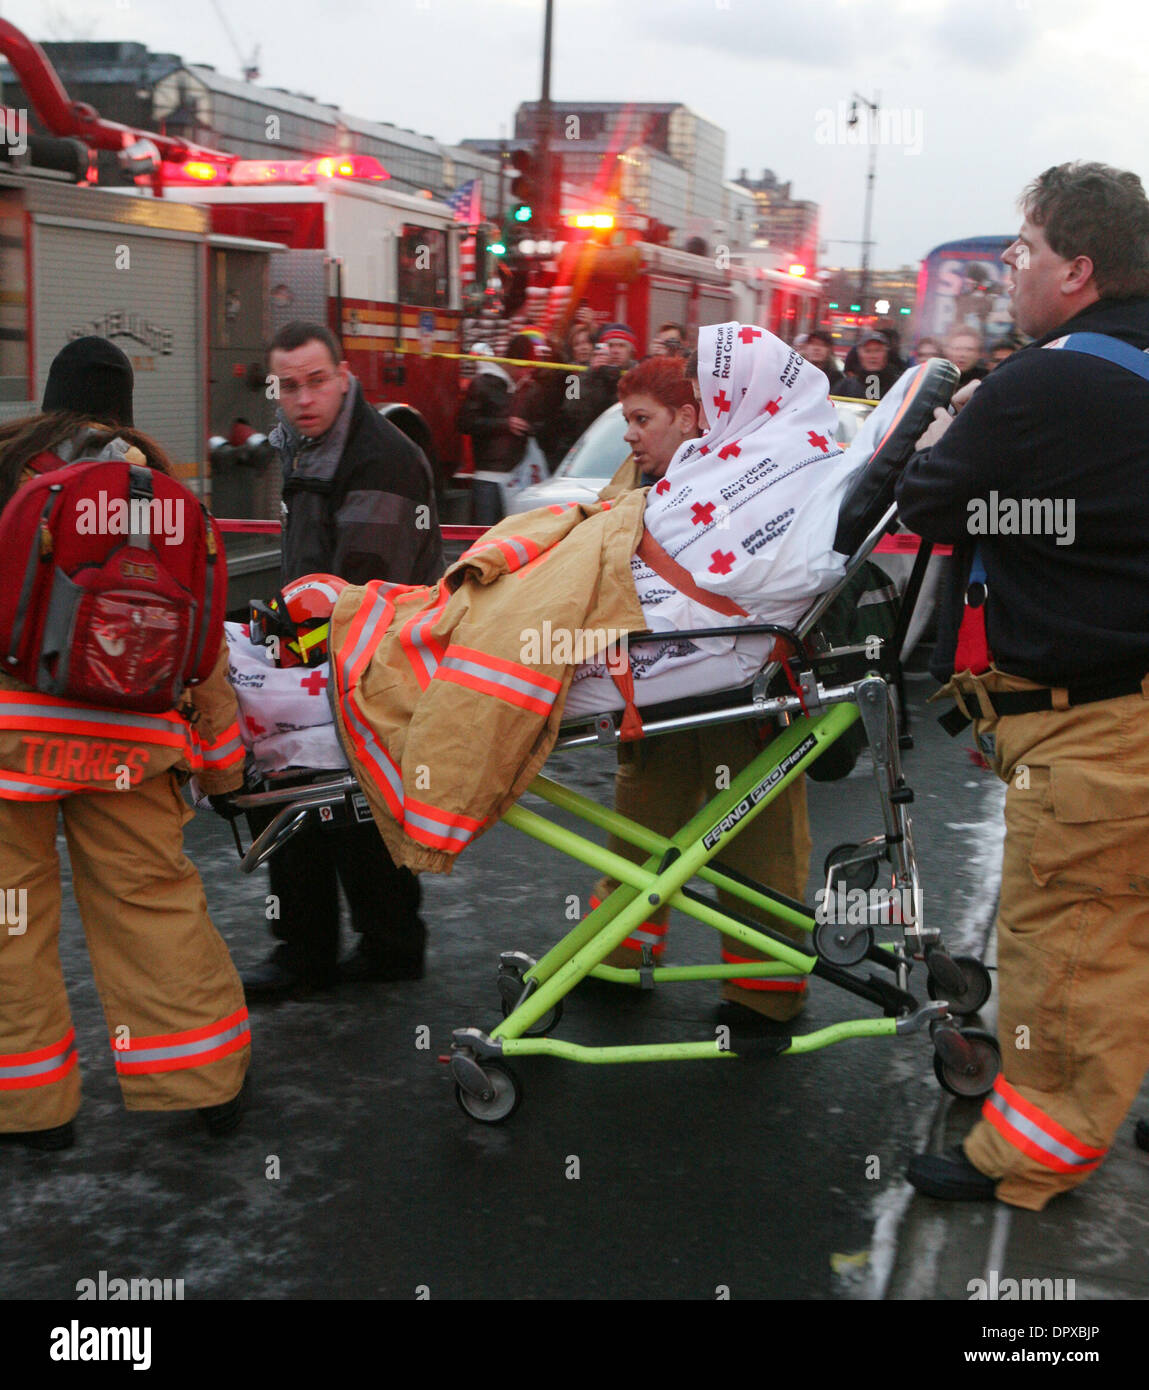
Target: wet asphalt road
757, 1177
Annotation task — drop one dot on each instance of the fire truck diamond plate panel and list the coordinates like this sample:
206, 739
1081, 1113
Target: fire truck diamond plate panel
145, 294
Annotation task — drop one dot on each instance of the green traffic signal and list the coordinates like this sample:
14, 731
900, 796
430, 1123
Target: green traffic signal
854, 308
903, 311
833, 304
523, 213
497, 248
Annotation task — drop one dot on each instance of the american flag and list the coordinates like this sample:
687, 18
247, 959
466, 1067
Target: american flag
465, 202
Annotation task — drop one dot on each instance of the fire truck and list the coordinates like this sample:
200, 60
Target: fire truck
645, 285
379, 268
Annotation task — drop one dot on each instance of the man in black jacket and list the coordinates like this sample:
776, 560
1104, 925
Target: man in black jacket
359, 502
1043, 475
875, 370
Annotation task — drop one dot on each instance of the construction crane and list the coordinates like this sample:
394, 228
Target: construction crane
250, 68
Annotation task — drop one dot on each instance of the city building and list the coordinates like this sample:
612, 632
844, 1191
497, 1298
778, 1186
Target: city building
787, 223
672, 160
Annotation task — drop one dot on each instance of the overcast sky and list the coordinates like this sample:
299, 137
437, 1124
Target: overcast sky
979, 95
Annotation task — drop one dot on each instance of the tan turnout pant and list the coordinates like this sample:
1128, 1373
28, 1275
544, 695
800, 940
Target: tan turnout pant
172, 999
661, 782
1073, 939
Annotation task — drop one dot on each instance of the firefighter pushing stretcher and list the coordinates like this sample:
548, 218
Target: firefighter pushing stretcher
112, 767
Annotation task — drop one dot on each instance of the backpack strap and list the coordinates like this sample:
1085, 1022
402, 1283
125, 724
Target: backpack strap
1108, 348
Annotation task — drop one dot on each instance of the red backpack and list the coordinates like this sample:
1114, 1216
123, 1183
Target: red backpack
116, 584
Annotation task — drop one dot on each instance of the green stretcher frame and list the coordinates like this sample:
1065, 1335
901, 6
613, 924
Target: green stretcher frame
655, 882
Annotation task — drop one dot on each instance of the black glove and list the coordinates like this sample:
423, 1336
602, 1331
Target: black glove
223, 804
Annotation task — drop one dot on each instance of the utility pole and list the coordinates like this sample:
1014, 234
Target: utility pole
872, 107
549, 201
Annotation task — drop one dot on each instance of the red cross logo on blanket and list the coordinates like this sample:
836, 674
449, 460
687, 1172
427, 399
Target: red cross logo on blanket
772, 407
314, 683
663, 485
748, 334
702, 514
721, 562
731, 451
819, 440
721, 403
255, 728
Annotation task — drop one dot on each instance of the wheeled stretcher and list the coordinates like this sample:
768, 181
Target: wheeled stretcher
817, 694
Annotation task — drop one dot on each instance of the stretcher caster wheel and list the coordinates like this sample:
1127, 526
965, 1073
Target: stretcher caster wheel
542, 1026
499, 1102
833, 943
976, 991
860, 876
975, 1077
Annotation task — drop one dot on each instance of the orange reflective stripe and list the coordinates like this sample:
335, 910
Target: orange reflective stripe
223, 752
194, 1047
1035, 1133
648, 934
439, 829
19, 1071
22, 710
783, 984
506, 680
374, 615
516, 550
423, 651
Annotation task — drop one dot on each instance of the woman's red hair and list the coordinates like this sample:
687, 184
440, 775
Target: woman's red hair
664, 378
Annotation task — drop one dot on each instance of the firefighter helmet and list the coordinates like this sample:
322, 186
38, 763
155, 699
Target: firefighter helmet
299, 617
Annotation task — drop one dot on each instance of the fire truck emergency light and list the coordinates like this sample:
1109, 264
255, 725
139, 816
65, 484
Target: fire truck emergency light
591, 219
797, 269
252, 172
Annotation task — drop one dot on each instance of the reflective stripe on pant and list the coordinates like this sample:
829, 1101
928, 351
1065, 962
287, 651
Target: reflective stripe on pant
1073, 943
661, 782
172, 1001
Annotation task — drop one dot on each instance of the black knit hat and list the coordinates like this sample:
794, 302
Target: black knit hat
91, 377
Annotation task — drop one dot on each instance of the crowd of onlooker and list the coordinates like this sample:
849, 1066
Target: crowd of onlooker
518, 397
874, 362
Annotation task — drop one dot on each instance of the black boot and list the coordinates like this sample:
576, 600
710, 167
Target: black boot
46, 1140
222, 1119
282, 976
951, 1177
1141, 1134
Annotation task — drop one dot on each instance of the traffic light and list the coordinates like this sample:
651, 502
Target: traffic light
525, 185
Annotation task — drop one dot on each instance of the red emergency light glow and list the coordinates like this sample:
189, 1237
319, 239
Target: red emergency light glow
797, 269
601, 220
254, 172
194, 171
350, 166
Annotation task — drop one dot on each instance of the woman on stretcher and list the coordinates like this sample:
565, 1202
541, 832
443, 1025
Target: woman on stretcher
448, 700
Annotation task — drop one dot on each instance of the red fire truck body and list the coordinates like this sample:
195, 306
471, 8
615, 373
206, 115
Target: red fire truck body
644, 286
381, 269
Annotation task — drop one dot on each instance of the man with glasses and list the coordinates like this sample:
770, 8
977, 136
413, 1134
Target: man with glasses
358, 502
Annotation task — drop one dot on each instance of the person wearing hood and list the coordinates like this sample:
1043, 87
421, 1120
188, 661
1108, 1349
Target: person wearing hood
359, 502
495, 414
